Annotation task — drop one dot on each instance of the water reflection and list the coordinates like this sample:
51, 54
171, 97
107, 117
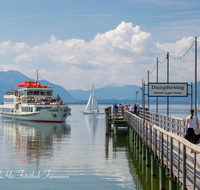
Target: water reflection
91, 123
33, 141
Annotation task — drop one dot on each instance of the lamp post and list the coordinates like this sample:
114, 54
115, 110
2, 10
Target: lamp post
136, 96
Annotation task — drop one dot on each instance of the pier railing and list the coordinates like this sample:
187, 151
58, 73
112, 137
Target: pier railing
162, 135
168, 123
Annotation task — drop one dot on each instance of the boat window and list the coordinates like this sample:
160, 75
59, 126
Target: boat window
36, 92
7, 110
8, 99
30, 109
27, 109
29, 92
49, 93
43, 93
38, 108
24, 92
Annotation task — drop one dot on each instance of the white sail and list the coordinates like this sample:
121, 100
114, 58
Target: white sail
88, 107
92, 105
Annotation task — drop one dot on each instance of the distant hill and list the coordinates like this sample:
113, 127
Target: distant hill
116, 92
9, 80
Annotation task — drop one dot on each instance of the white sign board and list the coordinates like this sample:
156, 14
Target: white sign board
168, 89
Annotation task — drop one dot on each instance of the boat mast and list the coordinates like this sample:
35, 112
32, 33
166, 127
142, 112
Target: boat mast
37, 74
37, 78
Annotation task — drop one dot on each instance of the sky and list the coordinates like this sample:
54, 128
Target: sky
77, 43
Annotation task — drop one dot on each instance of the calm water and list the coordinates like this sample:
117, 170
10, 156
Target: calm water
72, 155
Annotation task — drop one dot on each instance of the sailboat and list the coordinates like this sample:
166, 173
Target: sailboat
92, 105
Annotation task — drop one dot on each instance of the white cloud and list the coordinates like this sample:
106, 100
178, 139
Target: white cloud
122, 56
23, 57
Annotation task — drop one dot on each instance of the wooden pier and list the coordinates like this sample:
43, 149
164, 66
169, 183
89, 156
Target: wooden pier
117, 119
159, 137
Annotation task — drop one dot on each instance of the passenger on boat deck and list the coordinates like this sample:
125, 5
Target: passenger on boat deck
58, 98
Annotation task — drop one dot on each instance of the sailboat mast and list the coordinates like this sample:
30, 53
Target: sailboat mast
92, 94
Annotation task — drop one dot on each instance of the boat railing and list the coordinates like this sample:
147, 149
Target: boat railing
11, 93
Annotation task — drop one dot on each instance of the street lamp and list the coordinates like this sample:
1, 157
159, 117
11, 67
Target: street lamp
136, 96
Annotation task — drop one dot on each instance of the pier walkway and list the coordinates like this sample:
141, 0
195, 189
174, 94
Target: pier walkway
160, 137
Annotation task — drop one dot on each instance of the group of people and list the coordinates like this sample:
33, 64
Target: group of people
44, 101
134, 108
191, 124
13, 92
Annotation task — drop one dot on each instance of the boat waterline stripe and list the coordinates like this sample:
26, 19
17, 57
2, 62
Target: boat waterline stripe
47, 121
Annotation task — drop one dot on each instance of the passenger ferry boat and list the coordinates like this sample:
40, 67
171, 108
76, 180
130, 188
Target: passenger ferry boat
34, 102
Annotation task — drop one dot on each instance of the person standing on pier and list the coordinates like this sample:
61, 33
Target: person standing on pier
135, 109
138, 109
191, 123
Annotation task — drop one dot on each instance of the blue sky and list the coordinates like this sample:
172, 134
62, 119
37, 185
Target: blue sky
78, 43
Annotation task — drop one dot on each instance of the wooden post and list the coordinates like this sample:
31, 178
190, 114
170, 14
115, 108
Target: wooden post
140, 146
115, 129
137, 142
161, 150
171, 157
143, 152
172, 184
150, 137
184, 168
106, 122
153, 165
155, 143
134, 138
178, 127
148, 158
146, 136
194, 173
162, 178
178, 159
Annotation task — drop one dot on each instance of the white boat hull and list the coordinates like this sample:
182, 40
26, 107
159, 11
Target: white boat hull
56, 115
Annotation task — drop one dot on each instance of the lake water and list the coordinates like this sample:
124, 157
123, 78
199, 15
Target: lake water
72, 155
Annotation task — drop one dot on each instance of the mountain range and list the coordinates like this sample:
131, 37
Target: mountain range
110, 93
